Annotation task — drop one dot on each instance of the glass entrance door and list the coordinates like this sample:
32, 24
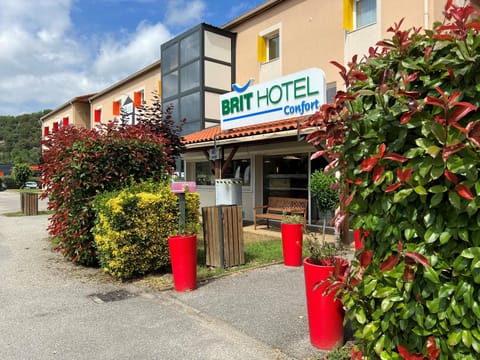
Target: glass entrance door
285, 176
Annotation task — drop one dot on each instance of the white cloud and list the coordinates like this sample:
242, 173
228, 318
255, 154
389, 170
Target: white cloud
45, 60
184, 12
121, 57
37, 56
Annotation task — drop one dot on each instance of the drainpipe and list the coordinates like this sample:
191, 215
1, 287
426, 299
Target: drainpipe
219, 175
425, 14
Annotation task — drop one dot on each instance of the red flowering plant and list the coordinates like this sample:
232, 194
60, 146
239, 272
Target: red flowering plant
79, 163
405, 137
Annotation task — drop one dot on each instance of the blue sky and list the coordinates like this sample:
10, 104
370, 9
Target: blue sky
54, 50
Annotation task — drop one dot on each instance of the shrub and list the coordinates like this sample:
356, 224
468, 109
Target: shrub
21, 173
78, 163
322, 187
324, 190
405, 138
133, 226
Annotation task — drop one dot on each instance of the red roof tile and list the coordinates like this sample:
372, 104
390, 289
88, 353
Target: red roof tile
264, 128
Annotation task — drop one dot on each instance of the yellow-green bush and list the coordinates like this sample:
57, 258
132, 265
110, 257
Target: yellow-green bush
133, 225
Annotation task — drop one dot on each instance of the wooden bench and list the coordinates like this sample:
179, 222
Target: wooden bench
279, 206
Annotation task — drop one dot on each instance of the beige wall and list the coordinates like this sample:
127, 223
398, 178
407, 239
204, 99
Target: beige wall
416, 13
309, 37
82, 115
147, 81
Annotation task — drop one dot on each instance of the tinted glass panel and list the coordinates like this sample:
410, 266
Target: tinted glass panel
190, 107
172, 108
190, 48
170, 58
190, 76
191, 127
170, 85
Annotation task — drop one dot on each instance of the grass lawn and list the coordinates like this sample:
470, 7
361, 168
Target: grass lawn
19, 213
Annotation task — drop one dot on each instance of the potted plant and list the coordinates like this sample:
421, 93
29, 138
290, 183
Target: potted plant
404, 136
325, 310
183, 245
292, 239
324, 190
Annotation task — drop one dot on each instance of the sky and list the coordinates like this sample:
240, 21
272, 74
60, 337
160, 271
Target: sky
54, 50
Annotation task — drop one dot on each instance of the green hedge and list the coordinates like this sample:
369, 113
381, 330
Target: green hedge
133, 225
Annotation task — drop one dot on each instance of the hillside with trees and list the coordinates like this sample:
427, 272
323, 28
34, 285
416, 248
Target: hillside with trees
20, 138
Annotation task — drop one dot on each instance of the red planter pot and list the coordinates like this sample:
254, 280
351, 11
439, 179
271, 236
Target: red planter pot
183, 256
325, 313
292, 239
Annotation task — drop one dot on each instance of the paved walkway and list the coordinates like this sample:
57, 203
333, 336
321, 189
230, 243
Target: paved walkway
52, 309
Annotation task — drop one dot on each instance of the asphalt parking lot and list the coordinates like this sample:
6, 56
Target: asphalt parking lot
52, 309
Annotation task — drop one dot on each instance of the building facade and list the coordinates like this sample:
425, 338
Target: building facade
74, 112
125, 96
273, 41
278, 50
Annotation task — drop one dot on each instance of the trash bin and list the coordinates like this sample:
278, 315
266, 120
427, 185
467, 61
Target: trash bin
223, 235
29, 203
228, 191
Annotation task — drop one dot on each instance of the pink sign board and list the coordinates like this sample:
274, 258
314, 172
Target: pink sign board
181, 186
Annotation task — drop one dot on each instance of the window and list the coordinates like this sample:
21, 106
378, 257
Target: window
238, 169
359, 13
204, 173
55, 126
273, 48
365, 12
46, 131
65, 121
331, 92
269, 47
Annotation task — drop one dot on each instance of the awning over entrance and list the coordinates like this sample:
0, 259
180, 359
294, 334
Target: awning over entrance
211, 139
208, 137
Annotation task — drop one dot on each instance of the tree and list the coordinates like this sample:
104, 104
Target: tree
20, 138
21, 173
322, 187
80, 163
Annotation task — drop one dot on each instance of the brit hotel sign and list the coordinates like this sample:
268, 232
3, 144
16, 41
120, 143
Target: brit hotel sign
294, 95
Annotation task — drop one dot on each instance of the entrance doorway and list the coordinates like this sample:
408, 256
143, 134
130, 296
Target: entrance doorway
288, 176
285, 176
